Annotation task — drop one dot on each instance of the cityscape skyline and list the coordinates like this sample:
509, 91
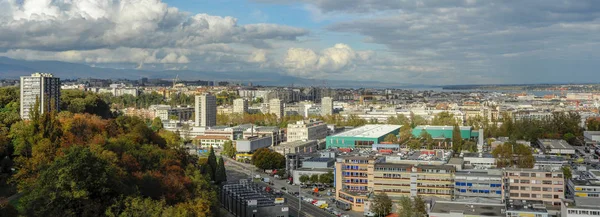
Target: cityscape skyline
414, 42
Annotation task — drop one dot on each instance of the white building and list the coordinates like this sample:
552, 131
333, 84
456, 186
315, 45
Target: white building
306, 130
326, 106
41, 86
206, 110
276, 107
181, 113
240, 106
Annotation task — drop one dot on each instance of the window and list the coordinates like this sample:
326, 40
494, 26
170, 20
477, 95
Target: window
536, 188
524, 195
524, 181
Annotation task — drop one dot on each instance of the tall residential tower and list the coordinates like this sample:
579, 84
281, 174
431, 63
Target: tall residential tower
326, 106
206, 110
276, 107
240, 106
42, 86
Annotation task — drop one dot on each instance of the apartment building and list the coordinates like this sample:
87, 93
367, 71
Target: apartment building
326, 106
240, 106
276, 107
43, 87
176, 113
306, 130
206, 110
535, 185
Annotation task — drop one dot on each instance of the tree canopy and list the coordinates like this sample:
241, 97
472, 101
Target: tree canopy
381, 204
513, 154
265, 159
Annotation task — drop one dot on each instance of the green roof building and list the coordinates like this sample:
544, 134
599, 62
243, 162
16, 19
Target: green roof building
444, 132
362, 137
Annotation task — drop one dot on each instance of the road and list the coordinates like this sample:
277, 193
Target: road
307, 210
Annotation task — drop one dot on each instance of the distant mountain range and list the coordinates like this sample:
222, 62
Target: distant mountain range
13, 68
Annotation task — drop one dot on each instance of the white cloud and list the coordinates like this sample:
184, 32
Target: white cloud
340, 57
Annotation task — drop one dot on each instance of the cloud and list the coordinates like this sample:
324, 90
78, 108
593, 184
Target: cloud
62, 25
306, 62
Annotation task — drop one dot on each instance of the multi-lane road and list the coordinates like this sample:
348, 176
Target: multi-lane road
238, 170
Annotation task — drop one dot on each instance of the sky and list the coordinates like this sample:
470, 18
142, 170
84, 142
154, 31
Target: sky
432, 42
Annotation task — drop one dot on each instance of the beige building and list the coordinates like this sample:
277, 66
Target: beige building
240, 106
537, 185
306, 130
357, 176
276, 107
43, 87
326, 106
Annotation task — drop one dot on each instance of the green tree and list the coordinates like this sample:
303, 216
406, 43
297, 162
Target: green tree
326, 178
444, 119
304, 178
228, 149
416, 120
267, 159
570, 138
156, 124
420, 206
391, 138
399, 120
567, 172
77, 184
381, 204
593, 124
220, 174
456, 139
314, 178
212, 164
405, 207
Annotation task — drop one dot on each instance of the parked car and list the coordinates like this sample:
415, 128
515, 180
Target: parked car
283, 189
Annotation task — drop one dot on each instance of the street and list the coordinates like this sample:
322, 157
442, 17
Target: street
236, 171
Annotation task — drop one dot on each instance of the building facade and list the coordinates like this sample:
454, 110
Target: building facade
535, 185
206, 110
326, 106
43, 87
240, 106
276, 107
306, 130
471, 184
362, 137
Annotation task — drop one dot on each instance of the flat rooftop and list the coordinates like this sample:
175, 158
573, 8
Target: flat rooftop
555, 143
369, 131
473, 209
296, 143
320, 159
428, 127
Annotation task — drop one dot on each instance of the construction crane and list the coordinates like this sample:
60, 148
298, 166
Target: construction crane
175, 80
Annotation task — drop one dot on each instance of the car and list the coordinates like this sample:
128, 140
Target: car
283, 189
321, 189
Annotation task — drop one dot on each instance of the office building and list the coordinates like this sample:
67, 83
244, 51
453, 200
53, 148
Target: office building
586, 185
546, 186
206, 110
362, 137
581, 207
478, 184
240, 106
357, 176
250, 200
252, 144
176, 113
277, 135
326, 106
297, 147
39, 86
556, 146
518, 208
276, 107
306, 130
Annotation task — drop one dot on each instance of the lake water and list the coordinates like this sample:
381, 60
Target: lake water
439, 89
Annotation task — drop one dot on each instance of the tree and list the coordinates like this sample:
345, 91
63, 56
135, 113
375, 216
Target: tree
326, 178
593, 124
416, 120
381, 204
314, 178
420, 206
220, 173
212, 164
268, 159
391, 138
228, 149
304, 178
456, 139
570, 138
398, 120
444, 119
567, 174
77, 184
405, 207
156, 124
513, 154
